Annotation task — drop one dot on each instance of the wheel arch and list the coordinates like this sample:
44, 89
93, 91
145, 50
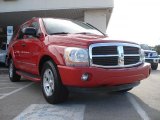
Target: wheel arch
54, 54
44, 59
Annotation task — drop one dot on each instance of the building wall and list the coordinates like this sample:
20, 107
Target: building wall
31, 5
98, 17
95, 12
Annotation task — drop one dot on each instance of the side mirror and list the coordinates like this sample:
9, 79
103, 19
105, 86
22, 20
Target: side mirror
29, 31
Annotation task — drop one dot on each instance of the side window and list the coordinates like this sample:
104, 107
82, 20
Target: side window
35, 24
20, 34
14, 34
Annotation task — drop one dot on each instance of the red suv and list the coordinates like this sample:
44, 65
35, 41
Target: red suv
62, 53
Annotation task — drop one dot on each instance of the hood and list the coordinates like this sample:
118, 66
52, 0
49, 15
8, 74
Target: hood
149, 51
79, 40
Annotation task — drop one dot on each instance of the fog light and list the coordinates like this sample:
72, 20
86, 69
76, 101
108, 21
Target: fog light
85, 77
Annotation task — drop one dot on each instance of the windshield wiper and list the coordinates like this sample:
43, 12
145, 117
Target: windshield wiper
84, 33
59, 33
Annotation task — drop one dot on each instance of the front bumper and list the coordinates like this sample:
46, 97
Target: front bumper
71, 76
104, 89
152, 60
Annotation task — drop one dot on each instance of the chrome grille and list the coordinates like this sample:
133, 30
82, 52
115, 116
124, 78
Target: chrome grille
131, 60
114, 55
102, 61
105, 50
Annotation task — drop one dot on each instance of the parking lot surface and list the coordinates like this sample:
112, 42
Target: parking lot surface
24, 101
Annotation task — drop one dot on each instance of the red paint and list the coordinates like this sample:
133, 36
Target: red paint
28, 52
100, 77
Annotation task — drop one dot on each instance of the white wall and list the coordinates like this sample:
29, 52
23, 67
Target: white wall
98, 18
95, 12
31, 5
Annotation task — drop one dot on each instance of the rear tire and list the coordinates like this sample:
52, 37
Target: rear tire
6, 62
154, 66
13, 76
53, 90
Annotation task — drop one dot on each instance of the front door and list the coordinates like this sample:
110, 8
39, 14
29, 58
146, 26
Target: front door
32, 50
19, 48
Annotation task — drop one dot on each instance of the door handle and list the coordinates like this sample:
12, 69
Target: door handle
23, 45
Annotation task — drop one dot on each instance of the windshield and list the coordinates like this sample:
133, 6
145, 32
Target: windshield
145, 47
59, 26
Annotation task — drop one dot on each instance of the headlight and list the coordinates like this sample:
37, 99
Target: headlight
76, 56
142, 56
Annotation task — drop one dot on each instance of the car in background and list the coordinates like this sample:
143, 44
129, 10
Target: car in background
159, 58
151, 56
3, 53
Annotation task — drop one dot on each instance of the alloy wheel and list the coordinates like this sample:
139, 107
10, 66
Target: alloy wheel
48, 82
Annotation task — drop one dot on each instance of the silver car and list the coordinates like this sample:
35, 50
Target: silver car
3, 53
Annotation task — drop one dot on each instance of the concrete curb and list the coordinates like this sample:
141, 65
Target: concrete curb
3, 71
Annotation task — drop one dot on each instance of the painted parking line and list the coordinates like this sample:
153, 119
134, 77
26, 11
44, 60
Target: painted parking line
1, 94
8, 88
4, 81
3, 77
14, 91
52, 112
138, 108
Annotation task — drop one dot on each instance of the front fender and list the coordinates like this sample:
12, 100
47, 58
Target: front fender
56, 53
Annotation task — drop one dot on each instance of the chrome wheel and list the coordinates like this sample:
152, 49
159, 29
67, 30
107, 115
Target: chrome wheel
53, 90
48, 82
11, 69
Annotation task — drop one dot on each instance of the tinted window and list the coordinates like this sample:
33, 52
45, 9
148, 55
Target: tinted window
14, 34
55, 26
20, 36
35, 24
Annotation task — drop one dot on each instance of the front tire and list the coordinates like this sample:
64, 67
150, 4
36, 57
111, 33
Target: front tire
53, 90
13, 76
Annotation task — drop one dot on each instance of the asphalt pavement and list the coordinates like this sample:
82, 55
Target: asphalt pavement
24, 101
3, 69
